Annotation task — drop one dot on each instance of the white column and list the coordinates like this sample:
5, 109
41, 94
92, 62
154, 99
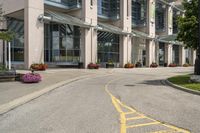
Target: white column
169, 20
168, 53
192, 56
89, 36
150, 52
33, 33
125, 40
1, 51
181, 55
150, 44
9, 56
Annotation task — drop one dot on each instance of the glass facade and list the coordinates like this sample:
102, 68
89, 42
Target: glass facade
161, 54
17, 44
109, 9
64, 3
62, 43
175, 25
139, 12
160, 16
108, 47
175, 54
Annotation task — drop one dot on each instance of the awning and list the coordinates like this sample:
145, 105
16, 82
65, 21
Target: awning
169, 39
65, 19
110, 28
140, 34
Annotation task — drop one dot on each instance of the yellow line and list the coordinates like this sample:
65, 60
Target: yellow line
135, 118
116, 102
141, 125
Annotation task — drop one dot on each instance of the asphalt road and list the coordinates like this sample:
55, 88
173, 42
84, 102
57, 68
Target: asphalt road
98, 104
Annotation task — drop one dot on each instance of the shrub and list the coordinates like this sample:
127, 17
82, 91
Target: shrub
186, 65
172, 65
129, 65
93, 66
31, 77
39, 67
154, 65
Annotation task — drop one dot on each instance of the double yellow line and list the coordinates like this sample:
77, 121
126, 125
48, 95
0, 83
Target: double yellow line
123, 120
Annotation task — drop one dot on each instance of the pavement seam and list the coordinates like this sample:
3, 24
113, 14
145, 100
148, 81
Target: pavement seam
182, 88
4, 108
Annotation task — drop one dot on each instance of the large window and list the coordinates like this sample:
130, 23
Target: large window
139, 12
64, 3
109, 9
160, 16
17, 44
108, 47
175, 25
62, 43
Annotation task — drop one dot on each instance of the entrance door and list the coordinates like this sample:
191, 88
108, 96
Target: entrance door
161, 54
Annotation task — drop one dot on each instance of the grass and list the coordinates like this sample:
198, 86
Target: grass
184, 81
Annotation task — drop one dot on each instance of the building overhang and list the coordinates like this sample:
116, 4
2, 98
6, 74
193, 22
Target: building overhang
171, 39
52, 16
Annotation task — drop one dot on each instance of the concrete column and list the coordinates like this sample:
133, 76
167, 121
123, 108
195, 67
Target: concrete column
150, 44
1, 52
169, 20
125, 40
33, 32
181, 55
150, 52
89, 36
168, 53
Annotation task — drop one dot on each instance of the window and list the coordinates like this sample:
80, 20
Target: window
139, 12
160, 16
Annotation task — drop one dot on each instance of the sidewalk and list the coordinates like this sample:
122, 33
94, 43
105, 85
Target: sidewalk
13, 94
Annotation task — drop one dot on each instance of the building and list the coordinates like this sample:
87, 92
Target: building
66, 32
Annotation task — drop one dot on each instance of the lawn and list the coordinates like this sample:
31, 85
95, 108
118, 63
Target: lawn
184, 81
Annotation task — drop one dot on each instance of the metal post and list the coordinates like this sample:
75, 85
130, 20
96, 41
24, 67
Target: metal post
9, 56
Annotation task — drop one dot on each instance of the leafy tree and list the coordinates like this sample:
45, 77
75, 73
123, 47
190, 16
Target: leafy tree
4, 35
188, 24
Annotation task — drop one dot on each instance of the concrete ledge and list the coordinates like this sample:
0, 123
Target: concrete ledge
24, 99
182, 88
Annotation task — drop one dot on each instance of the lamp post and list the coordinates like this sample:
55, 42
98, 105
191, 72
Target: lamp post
197, 61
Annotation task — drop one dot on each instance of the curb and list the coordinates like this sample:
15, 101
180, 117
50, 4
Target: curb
182, 88
24, 99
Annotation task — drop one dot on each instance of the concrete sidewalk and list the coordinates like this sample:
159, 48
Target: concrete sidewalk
13, 94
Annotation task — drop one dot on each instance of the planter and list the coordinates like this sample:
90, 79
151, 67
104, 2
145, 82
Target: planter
39, 67
110, 65
153, 65
7, 75
186, 65
129, 65
31, 78
172, 65
165, 65
138, 64
93, 66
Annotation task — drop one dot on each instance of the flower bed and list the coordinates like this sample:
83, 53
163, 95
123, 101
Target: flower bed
172, 65
39, 67
154, 65
93, 66
186, 65
31, 78
129, 65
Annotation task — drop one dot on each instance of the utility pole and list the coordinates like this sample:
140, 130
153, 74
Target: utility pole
197, 62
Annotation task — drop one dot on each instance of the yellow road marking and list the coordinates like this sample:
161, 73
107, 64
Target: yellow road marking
123, 127
136, 118
141, 125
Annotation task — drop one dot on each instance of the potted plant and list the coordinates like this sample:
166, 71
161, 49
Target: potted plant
110, 64
154, 65
186, 65
31, 77
93, 66
39, 67
138, 64
129, 65
172, 65
165, 65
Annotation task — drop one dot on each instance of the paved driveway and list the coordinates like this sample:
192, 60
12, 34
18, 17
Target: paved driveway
111, 103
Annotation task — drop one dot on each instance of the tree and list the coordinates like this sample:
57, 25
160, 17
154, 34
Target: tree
188, 24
